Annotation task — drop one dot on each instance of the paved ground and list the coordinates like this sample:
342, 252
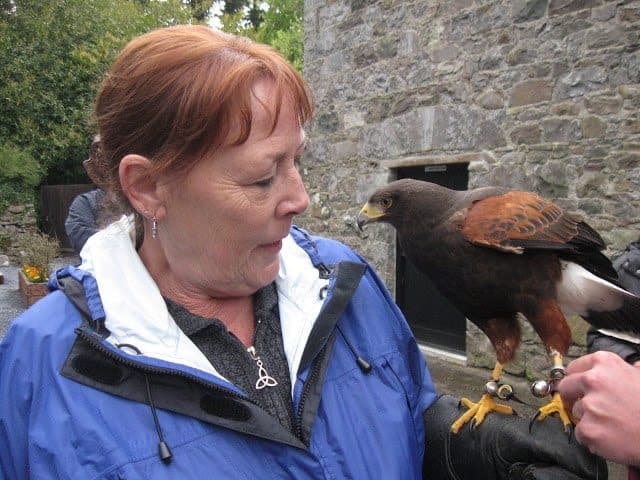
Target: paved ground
450, 375
11, 302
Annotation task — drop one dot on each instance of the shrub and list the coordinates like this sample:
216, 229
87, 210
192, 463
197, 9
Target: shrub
37, 251
53, 55
20, 174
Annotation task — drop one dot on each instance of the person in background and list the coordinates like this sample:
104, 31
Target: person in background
206, 336
603, 388
85, 212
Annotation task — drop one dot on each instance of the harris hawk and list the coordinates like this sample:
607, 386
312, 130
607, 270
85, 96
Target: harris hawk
495, 253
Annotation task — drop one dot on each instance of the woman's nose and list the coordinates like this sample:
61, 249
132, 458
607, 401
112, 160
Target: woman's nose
296, 198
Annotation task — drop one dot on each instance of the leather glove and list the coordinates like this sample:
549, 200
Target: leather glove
502, 447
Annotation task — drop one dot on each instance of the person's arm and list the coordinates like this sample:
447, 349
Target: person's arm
603, 393
502, 448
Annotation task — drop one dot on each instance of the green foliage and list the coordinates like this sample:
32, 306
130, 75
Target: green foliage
54, 55
247, 12
199, 8
19, 175
281, 26
234, 6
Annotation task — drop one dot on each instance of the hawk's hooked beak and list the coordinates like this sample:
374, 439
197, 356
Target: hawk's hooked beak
368, 214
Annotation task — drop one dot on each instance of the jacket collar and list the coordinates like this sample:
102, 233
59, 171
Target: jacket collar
136, 314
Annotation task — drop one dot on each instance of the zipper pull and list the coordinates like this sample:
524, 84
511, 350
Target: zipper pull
264, 379
323, 271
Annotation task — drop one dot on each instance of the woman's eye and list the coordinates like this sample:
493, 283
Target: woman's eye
264, 183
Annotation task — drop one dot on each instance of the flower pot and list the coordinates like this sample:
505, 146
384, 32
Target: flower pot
32, 292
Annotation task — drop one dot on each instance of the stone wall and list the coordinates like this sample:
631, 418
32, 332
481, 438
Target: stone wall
16, 220
535, 94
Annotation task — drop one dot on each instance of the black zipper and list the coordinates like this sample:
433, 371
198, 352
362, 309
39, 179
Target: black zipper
311, 380
95, 344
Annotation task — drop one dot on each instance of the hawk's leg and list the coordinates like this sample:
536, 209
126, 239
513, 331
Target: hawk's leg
555, 405
478, 411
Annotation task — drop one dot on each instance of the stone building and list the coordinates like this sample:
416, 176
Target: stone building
542, 95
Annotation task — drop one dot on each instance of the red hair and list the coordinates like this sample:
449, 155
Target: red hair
176, 93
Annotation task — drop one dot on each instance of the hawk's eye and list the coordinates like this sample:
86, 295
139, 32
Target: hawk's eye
386, 202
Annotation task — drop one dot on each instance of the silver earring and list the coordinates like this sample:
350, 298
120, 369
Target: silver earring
154, 227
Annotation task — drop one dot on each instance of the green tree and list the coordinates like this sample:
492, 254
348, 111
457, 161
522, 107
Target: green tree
231, 7
245, 10
199, 8
54, 55
275, 22
20, 174
280, 25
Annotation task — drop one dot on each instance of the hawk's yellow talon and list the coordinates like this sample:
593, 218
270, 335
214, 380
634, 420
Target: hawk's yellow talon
555, 406
478, 411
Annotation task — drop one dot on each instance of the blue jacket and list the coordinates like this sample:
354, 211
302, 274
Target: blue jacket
85, 396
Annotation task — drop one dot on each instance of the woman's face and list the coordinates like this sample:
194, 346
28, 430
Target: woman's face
223, 223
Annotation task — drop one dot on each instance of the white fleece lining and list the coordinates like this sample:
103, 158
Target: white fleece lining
299, 302
144, 321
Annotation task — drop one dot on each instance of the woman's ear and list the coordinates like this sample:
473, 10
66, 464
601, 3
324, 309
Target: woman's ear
139, 185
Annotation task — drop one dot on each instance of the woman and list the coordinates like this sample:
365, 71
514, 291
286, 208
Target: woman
204, 336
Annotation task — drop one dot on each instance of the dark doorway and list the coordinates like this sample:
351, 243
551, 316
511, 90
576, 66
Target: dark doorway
433, 319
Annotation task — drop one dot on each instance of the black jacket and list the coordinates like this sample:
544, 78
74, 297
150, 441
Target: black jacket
627, 266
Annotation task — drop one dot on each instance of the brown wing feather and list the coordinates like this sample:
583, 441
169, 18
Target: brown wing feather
516, 220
